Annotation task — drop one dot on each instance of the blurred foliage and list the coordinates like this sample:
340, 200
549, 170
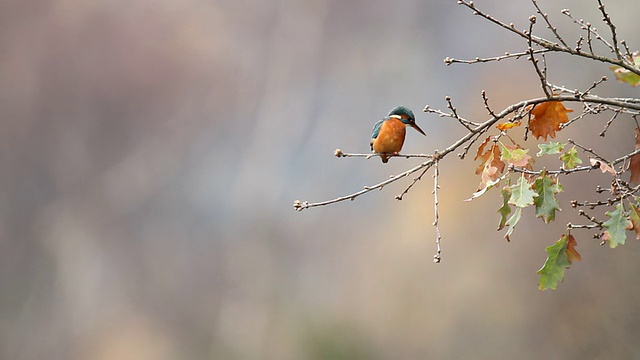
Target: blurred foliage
150, 150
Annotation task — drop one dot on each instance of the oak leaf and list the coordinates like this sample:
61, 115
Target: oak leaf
505, 209
491, 166
616, 226
634, 217
512, 222
507, 125
626, 76
521, 193
604, 167
572, 253
481, 147
516, 156
547, 118
634, 164
546, 203
570, 159
559, 258
550, 148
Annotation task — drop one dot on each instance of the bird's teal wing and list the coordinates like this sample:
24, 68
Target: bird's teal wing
376, 131
376, 128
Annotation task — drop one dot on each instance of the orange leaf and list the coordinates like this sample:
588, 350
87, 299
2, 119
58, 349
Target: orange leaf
634, 164
547, 118
507, 125
481, 148
572, 253
604, 167
491, 166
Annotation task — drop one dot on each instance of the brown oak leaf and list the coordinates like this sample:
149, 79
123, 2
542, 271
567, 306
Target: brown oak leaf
491, 166
572, 253
634, 164
547, 118
604, 167
634, 217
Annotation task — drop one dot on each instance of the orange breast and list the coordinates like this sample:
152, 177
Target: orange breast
391, 137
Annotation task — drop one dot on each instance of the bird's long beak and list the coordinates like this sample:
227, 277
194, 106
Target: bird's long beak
415, 126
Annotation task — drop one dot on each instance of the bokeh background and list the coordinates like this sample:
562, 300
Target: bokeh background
150, 153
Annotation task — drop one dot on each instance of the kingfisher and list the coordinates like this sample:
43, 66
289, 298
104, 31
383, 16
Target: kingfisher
388, 134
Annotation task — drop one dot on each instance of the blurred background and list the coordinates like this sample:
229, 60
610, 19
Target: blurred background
150, 153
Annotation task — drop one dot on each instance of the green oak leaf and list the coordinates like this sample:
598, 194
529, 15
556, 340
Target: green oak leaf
626, 76
481, 192
512, 222
616, 226
634, 216
570, 158
521, 193
546, 203
550, 148
560, 256
505, 209
514, 155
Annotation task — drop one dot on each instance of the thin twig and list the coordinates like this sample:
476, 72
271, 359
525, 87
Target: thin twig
450, 60
463, 121
466, 148
436, 258
534, 61
628, 53
455, 113
415, 180
606, 126
607, 19
486, 104
339, 153
609, 202
587, 150
593, 86
582, 226
588, 111
589, 41
301, 205
553, 29
560, 171
593, 219
579, 43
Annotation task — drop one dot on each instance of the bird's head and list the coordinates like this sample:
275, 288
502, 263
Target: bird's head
405, 115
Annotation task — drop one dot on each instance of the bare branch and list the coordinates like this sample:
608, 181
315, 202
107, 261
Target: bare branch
466, 123
486, 104
607, 20
552, 46
571, 226
449, 60
299, 206
415, 180
455, 113
553, 29
560, 171
628, 53
606, 126
587, 150
339, 153
436, 173
534, 61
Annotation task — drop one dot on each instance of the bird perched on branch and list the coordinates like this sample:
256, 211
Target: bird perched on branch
388, 134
